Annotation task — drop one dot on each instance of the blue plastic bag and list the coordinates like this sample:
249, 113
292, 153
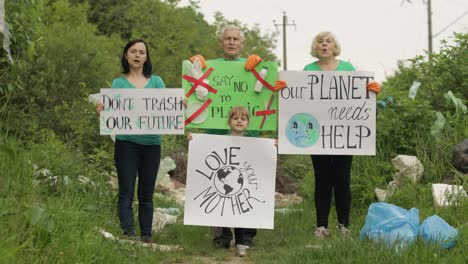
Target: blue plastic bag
390, 225
435, 230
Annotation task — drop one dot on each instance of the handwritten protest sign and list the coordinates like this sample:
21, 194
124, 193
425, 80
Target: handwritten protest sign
230, 182
142, 111
326, 112
230, 84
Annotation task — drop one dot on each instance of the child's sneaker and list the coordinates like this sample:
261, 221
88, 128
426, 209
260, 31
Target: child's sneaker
241, 250
321, 232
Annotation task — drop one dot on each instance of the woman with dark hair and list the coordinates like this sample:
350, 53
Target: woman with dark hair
136, 154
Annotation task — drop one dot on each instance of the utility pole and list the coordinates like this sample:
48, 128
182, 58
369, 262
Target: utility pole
285, 23
429, 26
431, 36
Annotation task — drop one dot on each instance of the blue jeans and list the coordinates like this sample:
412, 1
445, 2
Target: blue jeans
133, 159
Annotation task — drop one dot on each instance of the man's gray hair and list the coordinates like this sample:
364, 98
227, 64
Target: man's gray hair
230, 27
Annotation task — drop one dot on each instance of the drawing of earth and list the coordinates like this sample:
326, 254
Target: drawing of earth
303, 130
228, 180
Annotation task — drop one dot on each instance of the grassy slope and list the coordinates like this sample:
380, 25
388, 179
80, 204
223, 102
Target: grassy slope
58, 223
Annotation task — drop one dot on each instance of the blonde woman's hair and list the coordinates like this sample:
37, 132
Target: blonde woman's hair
336, 51
239, 110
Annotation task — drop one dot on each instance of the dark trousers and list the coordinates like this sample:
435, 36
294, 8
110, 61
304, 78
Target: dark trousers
133, 159
332, 175
243, 236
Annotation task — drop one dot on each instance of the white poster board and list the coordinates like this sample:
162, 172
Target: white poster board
142, 111
230, 182
327, 113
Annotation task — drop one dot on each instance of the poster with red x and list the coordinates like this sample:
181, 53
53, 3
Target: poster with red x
221, 85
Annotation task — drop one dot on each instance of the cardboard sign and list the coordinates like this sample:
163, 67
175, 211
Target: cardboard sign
230, 182
326, 112
230, 84
142, 111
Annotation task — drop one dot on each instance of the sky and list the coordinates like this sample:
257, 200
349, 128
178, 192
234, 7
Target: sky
374, 34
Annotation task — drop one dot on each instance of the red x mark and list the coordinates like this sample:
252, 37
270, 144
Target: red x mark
198, 112
264, 113
199, 82
268, 111
260, 79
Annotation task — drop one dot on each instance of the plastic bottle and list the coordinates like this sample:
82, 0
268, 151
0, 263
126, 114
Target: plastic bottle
258, 84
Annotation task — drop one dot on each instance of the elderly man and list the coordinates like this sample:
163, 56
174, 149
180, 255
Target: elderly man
232, 40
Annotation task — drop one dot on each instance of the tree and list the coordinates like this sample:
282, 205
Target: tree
109, 16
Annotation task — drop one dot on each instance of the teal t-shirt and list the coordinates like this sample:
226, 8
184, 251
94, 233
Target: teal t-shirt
343, 66
249, 133
153, 82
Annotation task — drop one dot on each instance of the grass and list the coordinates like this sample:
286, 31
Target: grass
58, 221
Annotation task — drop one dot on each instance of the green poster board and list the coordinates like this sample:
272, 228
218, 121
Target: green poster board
234, 86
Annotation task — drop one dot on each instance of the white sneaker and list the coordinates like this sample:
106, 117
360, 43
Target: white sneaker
241, 250
321, 232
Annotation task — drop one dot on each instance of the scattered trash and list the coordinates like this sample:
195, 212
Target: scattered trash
435, 230
5, 31
153, 246
174, 189
167, 164
42, 219
94, 98
447, 195
397, 227
114, 182
391, 225
286, 200
382, 195
170, 210
409, 167
456, 101
385, 102
164, 216
413, 90
438, 125
46, 177
85, 180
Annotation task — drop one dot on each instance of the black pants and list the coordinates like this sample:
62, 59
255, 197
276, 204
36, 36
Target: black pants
243, 236
332, 174
133, 159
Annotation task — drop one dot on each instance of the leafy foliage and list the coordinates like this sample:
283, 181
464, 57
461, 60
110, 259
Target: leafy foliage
446, 71
63, 50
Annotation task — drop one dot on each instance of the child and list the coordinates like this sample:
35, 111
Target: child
238, 121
